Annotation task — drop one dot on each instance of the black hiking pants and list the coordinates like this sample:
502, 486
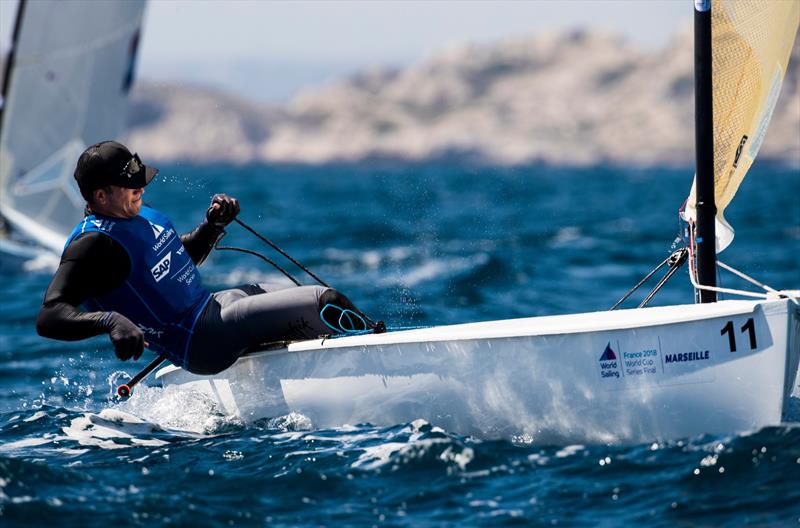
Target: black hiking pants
249, 315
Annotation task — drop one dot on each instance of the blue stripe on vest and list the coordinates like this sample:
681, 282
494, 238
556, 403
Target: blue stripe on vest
163, 295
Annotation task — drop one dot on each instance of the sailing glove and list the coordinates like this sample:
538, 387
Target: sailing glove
226, 210
128, 340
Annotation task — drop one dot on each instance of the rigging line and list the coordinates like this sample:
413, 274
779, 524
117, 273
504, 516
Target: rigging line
632, 290
379, 326
645, 279
660, 284
693, 277
282, 252
262, 257
370, 331
726, 290
696, 283
746, 277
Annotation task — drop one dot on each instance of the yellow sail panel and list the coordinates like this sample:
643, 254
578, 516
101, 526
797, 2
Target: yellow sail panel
751, 44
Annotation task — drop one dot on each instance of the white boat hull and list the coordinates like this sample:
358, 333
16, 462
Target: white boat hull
631, 375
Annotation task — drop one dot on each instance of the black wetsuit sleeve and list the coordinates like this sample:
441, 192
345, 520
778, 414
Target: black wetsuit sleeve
201, 240
91, 266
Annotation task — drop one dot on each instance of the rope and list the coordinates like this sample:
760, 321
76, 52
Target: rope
675, 261
788, 294
673, 268
282, 252
377, 327
262, 257
369, 331
746, 277
792, 296
632, 290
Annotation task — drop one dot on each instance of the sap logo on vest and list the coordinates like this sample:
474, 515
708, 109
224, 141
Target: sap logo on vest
161, 269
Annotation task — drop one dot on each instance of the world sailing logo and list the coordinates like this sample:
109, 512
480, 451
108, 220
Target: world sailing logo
609, 367
608, 354
162, 236
157, 229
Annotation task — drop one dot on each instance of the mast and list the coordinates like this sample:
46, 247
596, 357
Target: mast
10, 60
704, 151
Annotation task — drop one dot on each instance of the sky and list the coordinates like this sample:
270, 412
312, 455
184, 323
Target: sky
270, 49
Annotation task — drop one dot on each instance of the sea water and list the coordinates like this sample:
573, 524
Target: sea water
412, 245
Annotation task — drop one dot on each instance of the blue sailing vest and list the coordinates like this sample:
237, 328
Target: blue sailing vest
163, 294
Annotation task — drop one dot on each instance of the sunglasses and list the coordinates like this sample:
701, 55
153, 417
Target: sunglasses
133, 168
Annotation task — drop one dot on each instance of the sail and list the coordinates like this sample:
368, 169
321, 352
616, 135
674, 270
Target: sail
751, 44
67, 84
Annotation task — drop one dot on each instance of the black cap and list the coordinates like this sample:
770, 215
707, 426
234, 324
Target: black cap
111, 163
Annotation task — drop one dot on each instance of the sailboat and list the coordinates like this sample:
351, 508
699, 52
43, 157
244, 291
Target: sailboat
66, 86
717, 366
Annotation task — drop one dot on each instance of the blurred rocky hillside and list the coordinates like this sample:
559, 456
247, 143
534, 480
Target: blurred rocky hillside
574, 98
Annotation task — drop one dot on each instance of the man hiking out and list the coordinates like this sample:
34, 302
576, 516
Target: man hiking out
138, 279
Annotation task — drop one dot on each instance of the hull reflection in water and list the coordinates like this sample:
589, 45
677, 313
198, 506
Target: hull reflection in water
631, 375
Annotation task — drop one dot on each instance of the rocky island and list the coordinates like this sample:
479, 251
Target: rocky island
576, 98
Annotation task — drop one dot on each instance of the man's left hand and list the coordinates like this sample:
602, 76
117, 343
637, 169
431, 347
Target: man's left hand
223, 210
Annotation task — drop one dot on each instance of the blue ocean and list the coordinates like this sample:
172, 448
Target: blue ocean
413, 245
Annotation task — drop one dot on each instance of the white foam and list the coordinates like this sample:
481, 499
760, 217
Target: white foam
179, 409
568, 451
380, 455
573, 237
374, 457
25, 442
438, 268
291, 422
461, 458
371, 258
36, 416
105, 429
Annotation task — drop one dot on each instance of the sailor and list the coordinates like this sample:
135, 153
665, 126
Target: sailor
138, 279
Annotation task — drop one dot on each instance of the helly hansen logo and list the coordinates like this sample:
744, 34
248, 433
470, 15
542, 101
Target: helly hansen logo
150, 331
161, 269
103, 225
